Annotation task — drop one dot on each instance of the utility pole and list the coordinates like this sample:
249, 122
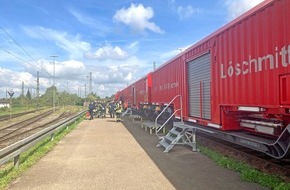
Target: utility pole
22, 93
10, 92
86, 90
54, 88
154, 66
91, 85
87, 77
37, 90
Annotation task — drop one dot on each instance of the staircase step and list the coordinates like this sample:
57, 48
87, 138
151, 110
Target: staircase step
170, 138
164, 144
173, 131
178, 124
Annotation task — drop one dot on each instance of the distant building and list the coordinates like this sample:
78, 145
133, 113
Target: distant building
4, 103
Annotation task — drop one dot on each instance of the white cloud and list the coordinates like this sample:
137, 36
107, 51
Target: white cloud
187, 12
137, 17
134, 45
91, 22
106, 90
101, 87
184, 12
129, 77
116, 74
107, 76
107, 52
237, 7
12, 80
82, 18
71, 44
70, 69
70, 72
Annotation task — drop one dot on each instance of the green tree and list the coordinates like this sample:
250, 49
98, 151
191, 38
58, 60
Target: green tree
92, 97
46, 98
28, 95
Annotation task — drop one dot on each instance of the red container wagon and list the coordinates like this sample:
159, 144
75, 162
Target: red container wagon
168, 82
127, 94
141, 91
117, 96
122, 95
251, 70
237, 79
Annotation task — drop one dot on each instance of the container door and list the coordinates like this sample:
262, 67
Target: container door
199, 78
134, 95
146, 90
285, 89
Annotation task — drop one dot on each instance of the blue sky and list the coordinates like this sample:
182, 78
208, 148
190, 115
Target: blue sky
117, 41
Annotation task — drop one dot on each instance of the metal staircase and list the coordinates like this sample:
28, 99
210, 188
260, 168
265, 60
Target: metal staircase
180, 132
127, 111
160, 127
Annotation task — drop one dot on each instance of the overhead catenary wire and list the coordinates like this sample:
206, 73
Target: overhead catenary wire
31, 85
22, 60
38, 66
42, 69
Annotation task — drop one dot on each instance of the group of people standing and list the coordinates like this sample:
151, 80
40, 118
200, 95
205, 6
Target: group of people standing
114, 109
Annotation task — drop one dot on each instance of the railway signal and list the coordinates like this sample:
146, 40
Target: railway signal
11, 93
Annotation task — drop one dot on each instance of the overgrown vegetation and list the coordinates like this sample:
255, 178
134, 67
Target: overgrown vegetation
8, 173
18, 109
32, 101
247, 172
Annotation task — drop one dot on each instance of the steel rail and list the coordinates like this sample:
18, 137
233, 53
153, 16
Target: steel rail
7, 117
13, 151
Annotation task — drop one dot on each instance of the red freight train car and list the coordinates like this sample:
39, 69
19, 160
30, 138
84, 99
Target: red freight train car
117, 96
142, 91
122, 95
168, 82
137, 93
237, 79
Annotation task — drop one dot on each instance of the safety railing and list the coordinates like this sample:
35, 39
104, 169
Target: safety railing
158, 129
127, 111
13, 151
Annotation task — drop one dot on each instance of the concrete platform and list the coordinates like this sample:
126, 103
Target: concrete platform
104, 154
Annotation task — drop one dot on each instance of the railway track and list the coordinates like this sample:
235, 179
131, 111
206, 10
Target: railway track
23, 129
253, 158
6, 117
9, 130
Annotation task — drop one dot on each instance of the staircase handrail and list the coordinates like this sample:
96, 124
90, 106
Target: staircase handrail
180, 109
126, 111
158, 129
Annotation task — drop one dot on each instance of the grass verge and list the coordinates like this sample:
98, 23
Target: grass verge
8, 173
247, 172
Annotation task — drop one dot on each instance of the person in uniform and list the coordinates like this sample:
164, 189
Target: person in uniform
112, 109
118, 109
91, 110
